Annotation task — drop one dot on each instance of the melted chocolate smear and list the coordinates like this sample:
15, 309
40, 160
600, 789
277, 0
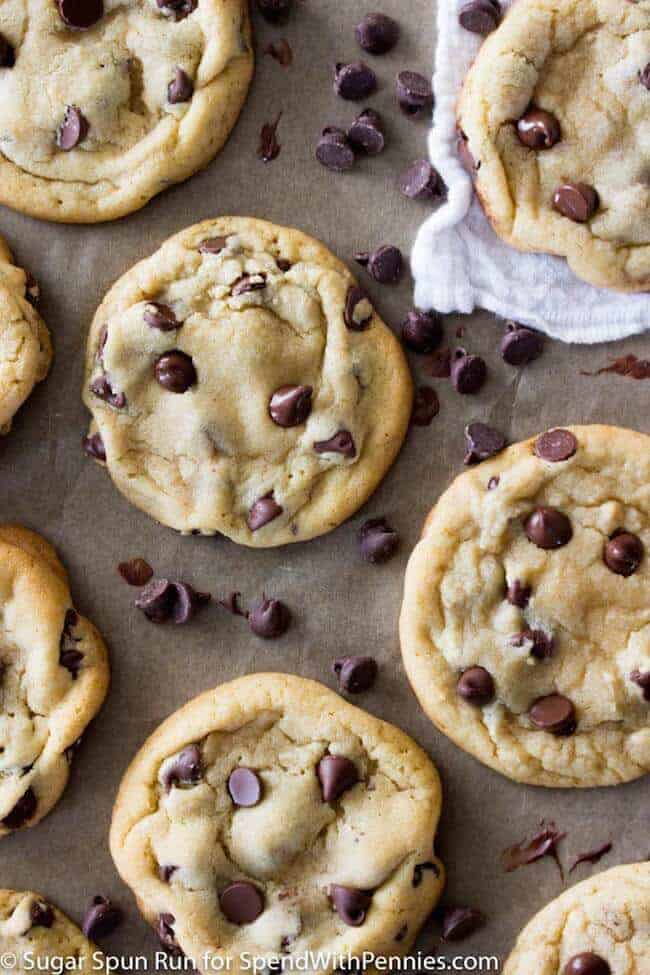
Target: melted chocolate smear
441, 364
543, 844
269, 147
426, 406
626, 365
280, 52
593, 856
231, 604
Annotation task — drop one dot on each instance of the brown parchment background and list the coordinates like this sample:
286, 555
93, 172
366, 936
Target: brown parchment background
341, 604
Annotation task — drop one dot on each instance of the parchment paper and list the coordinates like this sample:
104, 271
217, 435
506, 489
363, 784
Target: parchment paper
341, 604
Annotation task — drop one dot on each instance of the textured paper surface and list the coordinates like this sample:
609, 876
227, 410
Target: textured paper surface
341, 604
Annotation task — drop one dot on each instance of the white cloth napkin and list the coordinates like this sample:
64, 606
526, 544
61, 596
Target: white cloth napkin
459, 263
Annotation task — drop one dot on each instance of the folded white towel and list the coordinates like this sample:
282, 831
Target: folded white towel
459, 263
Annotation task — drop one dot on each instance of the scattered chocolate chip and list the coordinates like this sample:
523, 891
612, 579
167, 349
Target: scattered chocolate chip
377, 33
542, 645
94, 446
248, 283
136, 572
548, 528
350, 903
518, 595
482, 442
426, 406
213, 245
377, 540
556, 445
166, 871
181, 88
441, 365
340, 443
414, 93
41, 915
262, 512
102, 388
642, 679
355, 674
101, 918
493, 483
231, 603
624, 553
275, 11
280, 52
460, 922
468, 373
543, 844
520, 345
283, 264
244, 786
587, 963
175, 371
185, 768
162, 600
554, 713
71, 660
626, 365
7, 53
577, 201
366, 133
32, 287
593, 856
290, 405
420, 181
165, 932
358, 311
385, 264
334, 151
476, 686
354, 81
480, 16
160, 316
73, 129
419, 870
70, 621
422, 331
336, 775
22, 812
538, 129
270, 618
241, 902
269, 147
80, 14
644, 76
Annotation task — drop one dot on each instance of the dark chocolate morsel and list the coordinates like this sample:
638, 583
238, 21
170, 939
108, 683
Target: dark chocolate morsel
577, 201
356, 674
290, 405
358, 310
366, 134
350, 903
548, 528
136, 572
476, 686
624, 553
101, 918
244, 786
93, 445
377, 540
414, 93
270, 618
71, 660
181, 88
73, 129
264, 510
334, 151
166, 936
7, 53
22, 812
480, 16
385, 264
422, 331
553, 713
587, 963
538, 129
419, 869
520, 345
426, 406
213, 245
162, 600
518, 595
166, 871
241, 902
642, 680
377, 33
420, 181
556, 445
468, 373
483, 442
460, 922
354, 81
340, 443
185, 769
274, 11
644, 76
80, 14
336, 775
102, 388
160, 316
248, 283
542, 645
41, 915
175, 371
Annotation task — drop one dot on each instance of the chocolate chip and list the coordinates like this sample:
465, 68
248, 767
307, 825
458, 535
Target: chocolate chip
420, 181
181, 88
543, 844
244, 786
275, 11
248, 283
480, 16
102, 388
213, 245
80, 14
175, 371
358, 311
262, 512
166, 936
554, 713
334, 151
101, 918
41, 915
426, 406
542, 645
556, 445
577, 201
22, 812
340, 443
231, 604
624, 553
422, 331
162, 600
468, 373
419, 869
160, 316
642, 679
136, 572
385, 264
366, 133
166, 871
493, 483
587, 963
356, 674
269, 146
185, 768
377, 541
283, 264
476, 686
538, 129
73, 129
644, 76
593, 856
94, 446
482, 442
377, 33
290, 405
518, 594
71, 660
520, 345
548, 528
350, 903
414, 93
270, 618
32, 287
7, 53
336, 775
354, 81
241, 902
460, 922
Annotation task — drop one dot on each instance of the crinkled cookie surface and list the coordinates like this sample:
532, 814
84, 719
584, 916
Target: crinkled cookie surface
607, 916
525, 625
53, 678
241, 383
105, 104
586, 63
323, 844
25, 348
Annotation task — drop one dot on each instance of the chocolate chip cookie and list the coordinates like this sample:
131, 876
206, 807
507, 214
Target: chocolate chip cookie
556, 114
240, 382
103, 105
270, 816
525, 626
32, 930
599, 927
25, 348
53, 678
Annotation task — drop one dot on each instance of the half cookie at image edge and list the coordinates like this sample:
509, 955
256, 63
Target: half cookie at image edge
240, 382
599, 927
555, 115
525, 626
25, 348
270, 816
53, 678
105, 104
36, 936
